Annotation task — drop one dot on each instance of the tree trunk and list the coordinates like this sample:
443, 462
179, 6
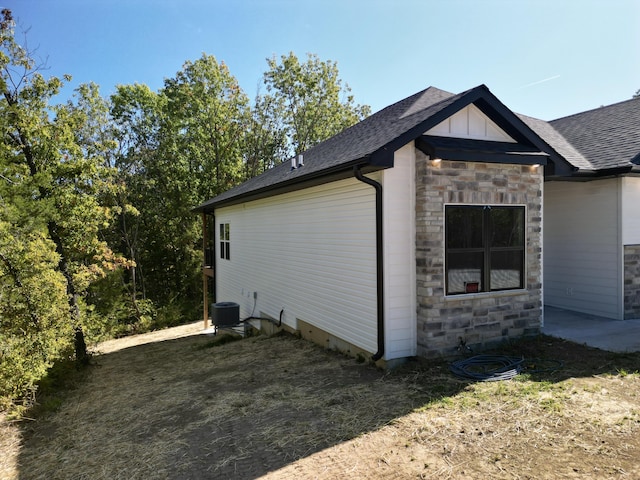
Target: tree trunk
82, 356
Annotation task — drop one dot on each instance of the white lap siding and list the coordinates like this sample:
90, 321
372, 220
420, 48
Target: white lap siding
311, 252
582, 247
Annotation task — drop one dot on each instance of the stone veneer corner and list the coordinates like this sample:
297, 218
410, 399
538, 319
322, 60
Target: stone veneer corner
631, 282
478, 320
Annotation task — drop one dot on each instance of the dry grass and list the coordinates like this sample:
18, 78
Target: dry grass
10, 448
279, 407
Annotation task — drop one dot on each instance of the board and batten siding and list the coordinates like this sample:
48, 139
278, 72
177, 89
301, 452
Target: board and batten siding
582, 247
400, 255
630, 211
312, 253
470, 122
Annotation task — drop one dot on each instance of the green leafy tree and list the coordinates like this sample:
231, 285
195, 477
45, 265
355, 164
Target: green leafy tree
53, 180
134, 114
178, 147
205, 113
265, 143
34, 329
309, 100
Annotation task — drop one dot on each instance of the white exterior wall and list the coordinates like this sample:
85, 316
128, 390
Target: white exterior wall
400, 255
630, 211
582, 247
311, 252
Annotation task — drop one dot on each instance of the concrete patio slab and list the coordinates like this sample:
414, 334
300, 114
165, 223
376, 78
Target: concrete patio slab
603, 333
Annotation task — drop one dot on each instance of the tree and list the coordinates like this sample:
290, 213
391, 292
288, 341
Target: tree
54, 182
178, 147
205, 114
265, 143
34, 330
135, 116
309, 100
205, 118
196, 138
637, 94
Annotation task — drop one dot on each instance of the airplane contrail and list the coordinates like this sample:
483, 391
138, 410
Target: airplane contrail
540, 81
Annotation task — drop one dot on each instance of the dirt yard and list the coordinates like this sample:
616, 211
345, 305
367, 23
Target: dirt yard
174, 405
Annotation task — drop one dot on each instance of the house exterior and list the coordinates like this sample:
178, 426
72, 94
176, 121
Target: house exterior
592, 218
415, 232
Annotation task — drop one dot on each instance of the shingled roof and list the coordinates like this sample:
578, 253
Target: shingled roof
607, 137
372, 142
348, 148
558, 142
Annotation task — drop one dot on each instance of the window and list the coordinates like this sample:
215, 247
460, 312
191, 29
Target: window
484, 248
225, 242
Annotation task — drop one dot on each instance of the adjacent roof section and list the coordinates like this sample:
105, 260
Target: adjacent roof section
372, 142
609, 137
558, 142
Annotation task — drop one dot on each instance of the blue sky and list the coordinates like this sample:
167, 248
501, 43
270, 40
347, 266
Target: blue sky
544, 58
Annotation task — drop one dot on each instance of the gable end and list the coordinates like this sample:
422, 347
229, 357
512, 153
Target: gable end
508, 122
470, 122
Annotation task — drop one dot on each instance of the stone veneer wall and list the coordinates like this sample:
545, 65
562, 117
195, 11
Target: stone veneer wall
484, 319
631, 282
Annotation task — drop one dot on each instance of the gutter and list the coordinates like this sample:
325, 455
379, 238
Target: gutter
586, 175
379, 260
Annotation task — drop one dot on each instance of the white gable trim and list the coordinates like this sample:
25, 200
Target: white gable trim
629, 211
470, 122
399, 222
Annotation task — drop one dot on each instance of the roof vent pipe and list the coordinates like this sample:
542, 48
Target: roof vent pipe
293, 163
300, 160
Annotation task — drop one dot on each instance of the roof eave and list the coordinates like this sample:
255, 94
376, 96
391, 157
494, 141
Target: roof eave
602, 173
339, 172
